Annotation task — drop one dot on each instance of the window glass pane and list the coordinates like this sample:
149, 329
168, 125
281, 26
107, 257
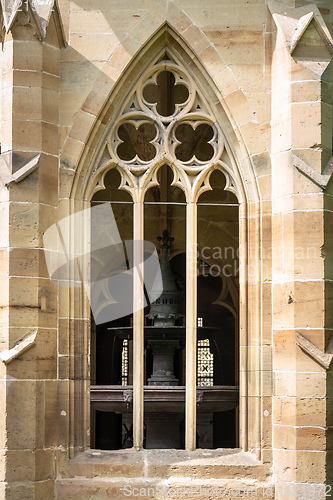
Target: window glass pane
111, 346
165, 318
217, 316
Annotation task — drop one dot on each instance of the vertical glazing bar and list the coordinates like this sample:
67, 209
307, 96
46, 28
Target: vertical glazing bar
191, 326
138, 306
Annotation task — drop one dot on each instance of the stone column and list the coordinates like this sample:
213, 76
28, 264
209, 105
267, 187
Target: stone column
301, 149
29, 168
163, 361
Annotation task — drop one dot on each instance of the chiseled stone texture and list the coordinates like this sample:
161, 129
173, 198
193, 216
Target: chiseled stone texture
58, 101
107, 473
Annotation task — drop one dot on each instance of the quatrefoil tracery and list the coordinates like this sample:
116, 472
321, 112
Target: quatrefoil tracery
137, 141
165, 119
165, 93
194, 142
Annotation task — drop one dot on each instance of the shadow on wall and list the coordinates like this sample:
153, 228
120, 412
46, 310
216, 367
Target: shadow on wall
96, 34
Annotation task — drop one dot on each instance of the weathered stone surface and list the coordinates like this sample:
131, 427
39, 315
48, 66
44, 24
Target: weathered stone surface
267, 87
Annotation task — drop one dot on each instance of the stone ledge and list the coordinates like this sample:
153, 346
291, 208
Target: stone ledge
215, 464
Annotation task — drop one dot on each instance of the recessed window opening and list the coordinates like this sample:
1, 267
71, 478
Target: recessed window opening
188, 325
217, 345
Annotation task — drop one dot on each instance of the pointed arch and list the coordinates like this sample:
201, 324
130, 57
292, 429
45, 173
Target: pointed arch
243, 134
85, 152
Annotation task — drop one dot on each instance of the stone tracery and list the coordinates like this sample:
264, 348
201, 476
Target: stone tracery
166, 119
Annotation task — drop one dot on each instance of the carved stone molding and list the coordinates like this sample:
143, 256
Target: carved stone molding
19, 348
317, 178
34, 14
25, 166
324, 359
128, 396
294, 22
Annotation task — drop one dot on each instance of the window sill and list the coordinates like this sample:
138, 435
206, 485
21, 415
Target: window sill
220, 463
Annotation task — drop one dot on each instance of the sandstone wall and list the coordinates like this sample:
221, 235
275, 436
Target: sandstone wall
273, 94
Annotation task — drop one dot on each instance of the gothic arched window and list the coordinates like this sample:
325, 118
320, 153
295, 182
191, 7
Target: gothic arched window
167, 175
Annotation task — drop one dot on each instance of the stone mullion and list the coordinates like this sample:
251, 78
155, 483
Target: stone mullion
191, 325
138, 324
